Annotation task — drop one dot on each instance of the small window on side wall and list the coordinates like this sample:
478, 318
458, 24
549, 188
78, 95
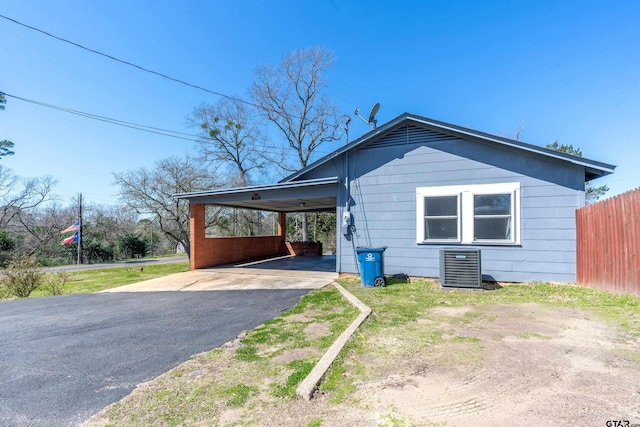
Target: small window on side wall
468, 214
441, 218
492, 217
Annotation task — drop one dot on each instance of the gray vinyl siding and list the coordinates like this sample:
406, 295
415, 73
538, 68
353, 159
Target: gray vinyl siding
383, 179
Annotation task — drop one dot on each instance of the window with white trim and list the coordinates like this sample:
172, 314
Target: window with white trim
469, 214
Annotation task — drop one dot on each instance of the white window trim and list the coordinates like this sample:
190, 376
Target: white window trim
465, 195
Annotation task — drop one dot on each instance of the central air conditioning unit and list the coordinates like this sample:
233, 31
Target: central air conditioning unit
460, 268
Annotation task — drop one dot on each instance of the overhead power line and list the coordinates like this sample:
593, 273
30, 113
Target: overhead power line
130, 63
97, 52
118, 122
145, 128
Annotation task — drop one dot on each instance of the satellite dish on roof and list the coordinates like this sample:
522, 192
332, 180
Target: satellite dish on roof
372, 115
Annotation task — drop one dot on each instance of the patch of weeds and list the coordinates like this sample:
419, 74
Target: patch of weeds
171, 402
337, 382
301, 369
271, 332
633, 355
274, 337
470, 316
463, 338
315, 422
535, 335
393, 421
247, 354
172, 418
325, 341
320, 297
237, 395
209, 355
163, 394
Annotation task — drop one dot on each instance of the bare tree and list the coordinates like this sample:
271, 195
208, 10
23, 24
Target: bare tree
230, 135
150, 191
39, 230
20, 195
293, 97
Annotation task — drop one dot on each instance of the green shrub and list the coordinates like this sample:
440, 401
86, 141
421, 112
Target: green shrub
95, 250
132, 246
22, 276
6, 242
4, 292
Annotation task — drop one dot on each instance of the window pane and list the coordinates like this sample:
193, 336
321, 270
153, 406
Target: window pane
441, 206
492, 204
492, 228
441, 229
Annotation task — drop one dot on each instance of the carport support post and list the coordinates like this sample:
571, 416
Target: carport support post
282, 225
196, 234
282, 231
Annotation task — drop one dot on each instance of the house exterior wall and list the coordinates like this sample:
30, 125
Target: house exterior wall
383, 177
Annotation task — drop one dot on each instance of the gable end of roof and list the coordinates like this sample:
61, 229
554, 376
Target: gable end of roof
593, 169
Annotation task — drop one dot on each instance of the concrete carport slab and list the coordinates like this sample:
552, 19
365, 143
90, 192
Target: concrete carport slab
288, 272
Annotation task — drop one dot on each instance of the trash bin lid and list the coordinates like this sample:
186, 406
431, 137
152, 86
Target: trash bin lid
361, 249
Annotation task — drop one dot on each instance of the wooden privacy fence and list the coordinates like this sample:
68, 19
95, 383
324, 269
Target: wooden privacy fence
608, 244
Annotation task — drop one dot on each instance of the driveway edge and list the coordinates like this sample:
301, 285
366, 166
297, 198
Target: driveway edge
309, 384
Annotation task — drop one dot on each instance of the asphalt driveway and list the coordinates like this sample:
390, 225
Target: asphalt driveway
65, 358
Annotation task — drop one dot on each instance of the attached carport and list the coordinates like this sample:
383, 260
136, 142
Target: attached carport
314, 195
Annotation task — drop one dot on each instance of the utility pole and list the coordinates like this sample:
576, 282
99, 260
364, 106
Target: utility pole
80, 233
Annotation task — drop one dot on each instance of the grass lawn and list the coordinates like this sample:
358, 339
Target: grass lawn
87, 281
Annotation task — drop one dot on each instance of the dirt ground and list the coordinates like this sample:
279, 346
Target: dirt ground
539, 366
521, 364
528, 365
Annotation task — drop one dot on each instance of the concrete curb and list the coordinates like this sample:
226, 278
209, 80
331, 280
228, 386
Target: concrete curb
309, 384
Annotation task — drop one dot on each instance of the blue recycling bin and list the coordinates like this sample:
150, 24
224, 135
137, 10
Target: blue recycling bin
371, 266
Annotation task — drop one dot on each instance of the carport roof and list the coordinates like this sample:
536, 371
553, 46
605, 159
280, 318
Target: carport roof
311, 195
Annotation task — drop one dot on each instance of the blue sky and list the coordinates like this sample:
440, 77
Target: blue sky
564, 70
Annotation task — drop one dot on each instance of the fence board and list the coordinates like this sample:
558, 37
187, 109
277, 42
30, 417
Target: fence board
608, 244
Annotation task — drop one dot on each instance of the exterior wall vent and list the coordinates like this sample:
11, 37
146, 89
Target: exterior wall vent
460, 268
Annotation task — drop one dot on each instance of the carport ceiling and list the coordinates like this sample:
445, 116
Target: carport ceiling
314, 195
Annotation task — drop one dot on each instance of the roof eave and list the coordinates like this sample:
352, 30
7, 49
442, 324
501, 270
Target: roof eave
257, 188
